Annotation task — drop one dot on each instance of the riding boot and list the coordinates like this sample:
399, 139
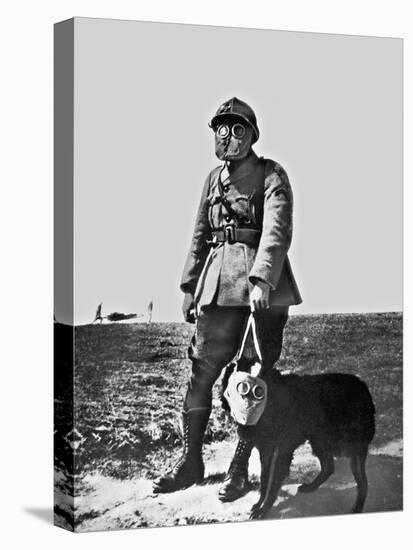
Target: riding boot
236, 482
189, 469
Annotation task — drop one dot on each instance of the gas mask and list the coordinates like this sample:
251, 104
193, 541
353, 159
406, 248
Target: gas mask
247, 397
246, 392
233, 140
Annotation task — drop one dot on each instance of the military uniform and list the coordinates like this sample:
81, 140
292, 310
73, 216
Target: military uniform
261, 200
242, 234
231, 248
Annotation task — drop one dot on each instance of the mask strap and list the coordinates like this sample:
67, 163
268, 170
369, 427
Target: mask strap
255, 337
250, 326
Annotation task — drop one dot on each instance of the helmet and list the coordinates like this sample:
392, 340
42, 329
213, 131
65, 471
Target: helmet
236, 108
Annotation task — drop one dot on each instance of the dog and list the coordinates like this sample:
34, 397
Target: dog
333, 411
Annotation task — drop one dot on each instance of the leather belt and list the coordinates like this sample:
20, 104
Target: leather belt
231, 234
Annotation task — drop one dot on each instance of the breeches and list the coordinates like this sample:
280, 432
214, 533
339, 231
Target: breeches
217, 338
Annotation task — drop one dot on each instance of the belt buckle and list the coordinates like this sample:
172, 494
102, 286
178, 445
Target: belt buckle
229, 232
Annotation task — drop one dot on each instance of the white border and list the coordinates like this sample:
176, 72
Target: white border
26, 259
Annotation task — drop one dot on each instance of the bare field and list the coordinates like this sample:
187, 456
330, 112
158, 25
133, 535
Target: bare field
129, 384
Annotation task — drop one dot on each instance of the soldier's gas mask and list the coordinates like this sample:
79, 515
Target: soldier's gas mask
233, 139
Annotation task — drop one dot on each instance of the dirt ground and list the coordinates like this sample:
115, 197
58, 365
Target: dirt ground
121, 504
129, 382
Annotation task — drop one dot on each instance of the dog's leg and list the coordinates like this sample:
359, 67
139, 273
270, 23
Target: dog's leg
327, 468
358, 467
266, 455
279, 469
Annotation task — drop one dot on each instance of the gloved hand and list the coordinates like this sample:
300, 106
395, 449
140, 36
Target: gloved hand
188, 308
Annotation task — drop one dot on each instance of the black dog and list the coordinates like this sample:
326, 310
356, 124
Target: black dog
334, 412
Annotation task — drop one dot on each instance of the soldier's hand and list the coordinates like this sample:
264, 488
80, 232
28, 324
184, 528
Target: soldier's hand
259, 297
188, 308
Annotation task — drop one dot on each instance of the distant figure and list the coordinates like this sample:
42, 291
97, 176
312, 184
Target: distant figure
150, 309
98, 314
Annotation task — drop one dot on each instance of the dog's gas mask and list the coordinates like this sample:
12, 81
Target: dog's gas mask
233, 139
247, 397
246, 392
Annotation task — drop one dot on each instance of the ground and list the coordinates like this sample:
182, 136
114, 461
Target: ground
129, 383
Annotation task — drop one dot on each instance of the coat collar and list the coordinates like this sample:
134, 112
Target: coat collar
248, 165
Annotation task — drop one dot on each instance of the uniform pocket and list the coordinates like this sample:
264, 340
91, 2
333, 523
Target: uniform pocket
244, 208
241, 207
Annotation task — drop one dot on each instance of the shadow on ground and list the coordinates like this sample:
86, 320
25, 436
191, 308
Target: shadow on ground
44, 514
338, 494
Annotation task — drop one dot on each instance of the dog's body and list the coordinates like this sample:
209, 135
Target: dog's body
334, 412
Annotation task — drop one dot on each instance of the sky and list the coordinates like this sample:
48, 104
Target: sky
329, 109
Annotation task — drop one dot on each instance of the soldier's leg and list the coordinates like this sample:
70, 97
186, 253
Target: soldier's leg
270, 326
215, 342
213, 345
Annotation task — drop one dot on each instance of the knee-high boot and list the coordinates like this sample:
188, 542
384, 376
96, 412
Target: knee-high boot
189, 469
236, 482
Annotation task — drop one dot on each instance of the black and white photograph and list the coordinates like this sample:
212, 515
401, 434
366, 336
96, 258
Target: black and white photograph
228, 314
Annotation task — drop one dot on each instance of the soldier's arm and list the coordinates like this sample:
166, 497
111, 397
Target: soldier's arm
277, 227
199, 247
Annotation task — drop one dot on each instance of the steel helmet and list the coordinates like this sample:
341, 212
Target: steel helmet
236, 108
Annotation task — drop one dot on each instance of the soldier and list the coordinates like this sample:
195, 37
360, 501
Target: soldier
237, 263
98, 314
150, 310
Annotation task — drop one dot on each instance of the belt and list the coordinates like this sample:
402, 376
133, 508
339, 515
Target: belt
231, 234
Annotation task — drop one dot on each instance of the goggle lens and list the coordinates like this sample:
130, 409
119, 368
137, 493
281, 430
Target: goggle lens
223, 130
258, 392
243, 388
237, 130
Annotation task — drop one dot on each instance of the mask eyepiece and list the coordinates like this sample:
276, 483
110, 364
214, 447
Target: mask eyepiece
237, 130
243, 388
258, 392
